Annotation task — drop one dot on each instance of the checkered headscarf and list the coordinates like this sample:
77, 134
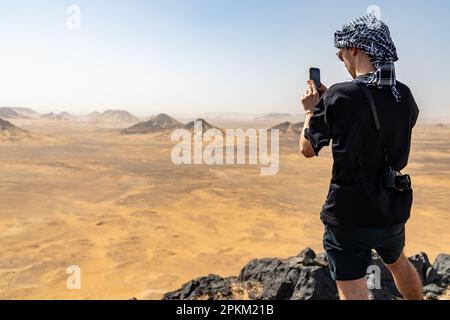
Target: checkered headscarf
371, 35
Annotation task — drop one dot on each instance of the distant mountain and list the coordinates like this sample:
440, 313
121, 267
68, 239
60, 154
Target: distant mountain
298, 127
94, 114
26, 112
91, 116
149, 117
10, 131
276, 116
229, 116
63, 116
160, 123
9, 113
205, 125
117, 116
67, 115
289, 128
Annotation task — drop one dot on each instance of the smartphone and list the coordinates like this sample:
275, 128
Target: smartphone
314, 74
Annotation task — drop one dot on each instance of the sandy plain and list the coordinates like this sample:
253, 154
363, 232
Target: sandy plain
139, 226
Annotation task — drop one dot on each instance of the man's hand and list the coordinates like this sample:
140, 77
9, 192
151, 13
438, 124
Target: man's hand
311, 97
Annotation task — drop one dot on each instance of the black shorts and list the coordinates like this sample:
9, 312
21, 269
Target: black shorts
349, 249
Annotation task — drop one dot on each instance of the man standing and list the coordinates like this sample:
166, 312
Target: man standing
369, 121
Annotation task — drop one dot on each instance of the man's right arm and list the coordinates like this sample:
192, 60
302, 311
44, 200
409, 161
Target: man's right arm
305, 145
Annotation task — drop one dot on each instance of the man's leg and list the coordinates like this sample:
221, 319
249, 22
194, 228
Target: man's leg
353, 290
348, 257
406, 278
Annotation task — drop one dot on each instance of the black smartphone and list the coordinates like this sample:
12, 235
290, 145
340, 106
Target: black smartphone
314, 74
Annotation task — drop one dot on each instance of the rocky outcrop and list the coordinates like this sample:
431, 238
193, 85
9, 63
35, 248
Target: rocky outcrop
8, 131
10, 113
17, 113
289, 128
116, 116
63, 116
160, 123
306, 277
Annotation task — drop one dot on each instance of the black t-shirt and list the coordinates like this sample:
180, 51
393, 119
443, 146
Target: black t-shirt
356, 195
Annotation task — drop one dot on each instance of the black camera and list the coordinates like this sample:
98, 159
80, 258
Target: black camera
395, 180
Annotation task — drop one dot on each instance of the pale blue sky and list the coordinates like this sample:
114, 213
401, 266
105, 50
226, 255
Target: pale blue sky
203, 56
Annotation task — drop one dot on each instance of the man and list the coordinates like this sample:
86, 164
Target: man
360, 212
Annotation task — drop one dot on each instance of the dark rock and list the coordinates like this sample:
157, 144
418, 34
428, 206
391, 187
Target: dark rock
282, 286
433, 288
209, 287
259, 269
321, 260
431, 276
442, 266
431, 296
315, 283
278, 277
421, 263
426, 271
307, 257
307, 277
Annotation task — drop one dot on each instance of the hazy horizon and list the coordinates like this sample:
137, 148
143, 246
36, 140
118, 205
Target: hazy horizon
224, 115
194, 57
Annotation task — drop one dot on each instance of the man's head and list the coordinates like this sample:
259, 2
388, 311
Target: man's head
367, 40
354, 58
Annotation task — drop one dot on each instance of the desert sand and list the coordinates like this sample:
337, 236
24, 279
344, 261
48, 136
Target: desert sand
139, 226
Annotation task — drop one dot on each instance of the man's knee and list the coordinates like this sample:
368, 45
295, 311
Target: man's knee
402, 267
353, 290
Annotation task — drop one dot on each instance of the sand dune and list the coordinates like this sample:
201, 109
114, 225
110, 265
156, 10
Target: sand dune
138, 225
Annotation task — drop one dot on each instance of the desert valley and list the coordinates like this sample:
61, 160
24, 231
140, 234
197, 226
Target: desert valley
100, 191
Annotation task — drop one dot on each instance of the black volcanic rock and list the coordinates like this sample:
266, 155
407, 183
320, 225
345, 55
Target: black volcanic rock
205, 288
433, 291
307, 277
315, 283
307, 257
423, 266
321, 260
278, 277
160, 123
442, 267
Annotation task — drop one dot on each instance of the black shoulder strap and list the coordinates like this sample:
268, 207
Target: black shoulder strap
372, 106
375, 116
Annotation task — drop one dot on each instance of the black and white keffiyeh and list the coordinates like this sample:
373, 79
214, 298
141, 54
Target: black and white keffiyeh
371, 35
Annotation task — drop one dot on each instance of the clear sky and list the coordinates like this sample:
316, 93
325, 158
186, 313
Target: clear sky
184, 56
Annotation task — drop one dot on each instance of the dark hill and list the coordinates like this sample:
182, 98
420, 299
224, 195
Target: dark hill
160, 123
